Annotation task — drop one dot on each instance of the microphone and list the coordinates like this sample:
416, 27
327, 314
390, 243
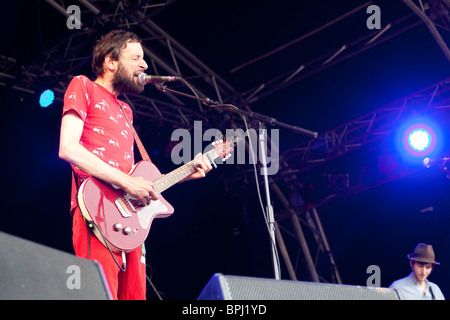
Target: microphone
427, 162
143, 79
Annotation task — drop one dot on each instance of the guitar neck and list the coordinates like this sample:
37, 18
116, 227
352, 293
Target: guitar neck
175, 176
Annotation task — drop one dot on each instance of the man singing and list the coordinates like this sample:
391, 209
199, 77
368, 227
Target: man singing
97, 140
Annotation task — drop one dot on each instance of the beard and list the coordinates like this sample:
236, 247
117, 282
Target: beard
124, 83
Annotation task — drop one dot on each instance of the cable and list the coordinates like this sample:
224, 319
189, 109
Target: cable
90, 226
265, 214
151, 283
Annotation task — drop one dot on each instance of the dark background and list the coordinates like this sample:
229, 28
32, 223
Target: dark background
220, 229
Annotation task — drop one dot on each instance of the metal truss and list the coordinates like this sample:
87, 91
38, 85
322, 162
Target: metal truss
434, 14
368, 128
167, 56
354, 46
438, 10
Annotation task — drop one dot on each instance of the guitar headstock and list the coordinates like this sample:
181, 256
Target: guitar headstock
224, 148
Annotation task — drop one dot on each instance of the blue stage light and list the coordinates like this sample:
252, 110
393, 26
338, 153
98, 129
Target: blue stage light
47, 97
419, 139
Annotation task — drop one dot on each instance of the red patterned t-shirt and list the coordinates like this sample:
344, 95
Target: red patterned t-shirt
106, 132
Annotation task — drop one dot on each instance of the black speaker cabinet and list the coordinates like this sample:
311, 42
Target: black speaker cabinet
31, 271
226, 287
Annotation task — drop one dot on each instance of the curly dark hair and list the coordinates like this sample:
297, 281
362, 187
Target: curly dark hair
110, 44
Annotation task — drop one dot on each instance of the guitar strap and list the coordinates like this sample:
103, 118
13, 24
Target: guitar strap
77, 186
144, 154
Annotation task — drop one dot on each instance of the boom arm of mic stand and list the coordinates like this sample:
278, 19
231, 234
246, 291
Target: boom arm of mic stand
275, 122
252, 115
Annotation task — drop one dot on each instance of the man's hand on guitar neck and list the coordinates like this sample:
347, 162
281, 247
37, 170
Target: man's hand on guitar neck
203, 167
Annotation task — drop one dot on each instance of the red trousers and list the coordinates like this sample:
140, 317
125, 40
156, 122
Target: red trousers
124, 285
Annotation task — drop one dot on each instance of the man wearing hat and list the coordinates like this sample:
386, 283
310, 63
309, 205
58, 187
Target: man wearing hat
416, 286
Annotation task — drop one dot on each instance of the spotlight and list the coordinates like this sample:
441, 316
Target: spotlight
419, 139
47, 97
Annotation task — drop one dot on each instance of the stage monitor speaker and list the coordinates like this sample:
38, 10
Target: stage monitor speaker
226, 287
31, 271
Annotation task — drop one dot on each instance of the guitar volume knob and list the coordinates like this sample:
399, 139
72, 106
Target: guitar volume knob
127, 230
117, 226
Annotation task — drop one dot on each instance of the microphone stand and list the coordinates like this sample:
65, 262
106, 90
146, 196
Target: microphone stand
269, 209
252, 115
261, 119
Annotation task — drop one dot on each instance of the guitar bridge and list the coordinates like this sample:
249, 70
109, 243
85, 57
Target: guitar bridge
125, 206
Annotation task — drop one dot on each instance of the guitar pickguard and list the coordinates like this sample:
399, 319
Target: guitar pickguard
146, 214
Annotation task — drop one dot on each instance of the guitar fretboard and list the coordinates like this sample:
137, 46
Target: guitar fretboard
175, 176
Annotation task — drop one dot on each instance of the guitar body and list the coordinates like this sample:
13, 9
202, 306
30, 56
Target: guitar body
118, 221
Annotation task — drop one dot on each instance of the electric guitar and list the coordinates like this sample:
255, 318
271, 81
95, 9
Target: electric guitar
121, 222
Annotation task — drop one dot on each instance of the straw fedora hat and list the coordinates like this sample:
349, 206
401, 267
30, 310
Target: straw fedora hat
423, 253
